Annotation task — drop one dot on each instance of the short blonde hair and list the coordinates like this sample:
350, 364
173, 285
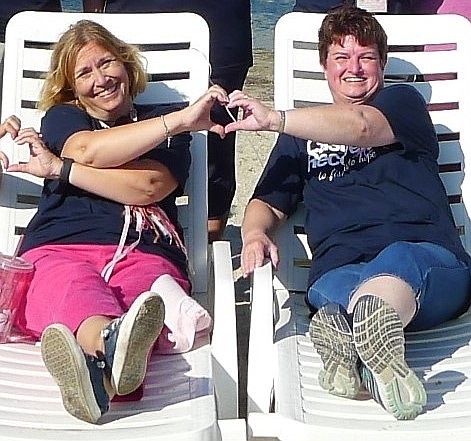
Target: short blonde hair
59, 84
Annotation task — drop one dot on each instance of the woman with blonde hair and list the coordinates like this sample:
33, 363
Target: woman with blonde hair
106, 229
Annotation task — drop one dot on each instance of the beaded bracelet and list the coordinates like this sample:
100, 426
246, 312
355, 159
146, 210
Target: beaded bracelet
281, 127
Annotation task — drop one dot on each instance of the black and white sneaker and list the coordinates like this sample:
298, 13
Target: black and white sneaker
129, 339
380, 344
332, 337
79, 376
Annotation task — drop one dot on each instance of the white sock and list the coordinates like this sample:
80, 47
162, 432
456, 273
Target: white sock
184, 316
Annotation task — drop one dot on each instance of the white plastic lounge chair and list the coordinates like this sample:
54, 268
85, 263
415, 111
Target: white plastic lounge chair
186, 396
285, 400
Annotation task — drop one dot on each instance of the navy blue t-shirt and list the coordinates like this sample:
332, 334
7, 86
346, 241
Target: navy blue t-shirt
394, 6
70, 215
8, 8
228, 20
359, 200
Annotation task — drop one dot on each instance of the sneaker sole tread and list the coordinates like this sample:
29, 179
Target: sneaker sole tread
333, 339
66, 363
137, 334
380, 343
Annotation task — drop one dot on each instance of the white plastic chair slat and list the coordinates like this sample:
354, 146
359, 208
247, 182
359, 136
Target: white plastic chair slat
22, 372
170, 61
304, 92
423, 63
447, 121
452, 182
31, 88
450, 152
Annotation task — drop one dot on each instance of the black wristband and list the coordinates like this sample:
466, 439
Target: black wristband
65, 170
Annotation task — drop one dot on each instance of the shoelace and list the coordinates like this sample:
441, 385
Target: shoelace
150, 216
98, 361
156, 219
112, 326
106, 360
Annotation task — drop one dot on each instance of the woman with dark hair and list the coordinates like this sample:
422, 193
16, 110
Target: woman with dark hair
384, 244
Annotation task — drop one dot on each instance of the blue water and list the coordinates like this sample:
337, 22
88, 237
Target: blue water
265, 13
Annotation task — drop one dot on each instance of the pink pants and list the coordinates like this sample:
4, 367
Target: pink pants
67, 286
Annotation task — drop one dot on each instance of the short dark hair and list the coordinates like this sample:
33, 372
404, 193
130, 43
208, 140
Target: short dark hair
350, 20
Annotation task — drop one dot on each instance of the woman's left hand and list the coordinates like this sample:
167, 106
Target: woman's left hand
42, 162
197, 116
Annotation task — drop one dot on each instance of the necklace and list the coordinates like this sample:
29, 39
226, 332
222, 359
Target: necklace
131, 117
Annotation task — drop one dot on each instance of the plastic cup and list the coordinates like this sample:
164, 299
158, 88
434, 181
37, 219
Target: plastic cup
15, 277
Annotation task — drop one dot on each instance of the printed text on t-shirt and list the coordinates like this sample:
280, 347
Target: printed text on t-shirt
331, 161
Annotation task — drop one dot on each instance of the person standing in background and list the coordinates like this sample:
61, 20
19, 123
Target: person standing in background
461, 7
230, 57
393, 6
8, 8
315, 5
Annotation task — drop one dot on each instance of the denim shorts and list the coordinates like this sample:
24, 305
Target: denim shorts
442, 283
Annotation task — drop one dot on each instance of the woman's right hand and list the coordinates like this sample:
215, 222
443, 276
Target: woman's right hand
255, 115
42, 162
257, 247
11, 125
197, 116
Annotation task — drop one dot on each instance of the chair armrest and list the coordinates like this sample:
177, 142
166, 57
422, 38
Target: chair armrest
261, 351
224, 338
233, 430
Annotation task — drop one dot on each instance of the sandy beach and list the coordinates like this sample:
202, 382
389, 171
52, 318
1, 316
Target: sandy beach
253, 148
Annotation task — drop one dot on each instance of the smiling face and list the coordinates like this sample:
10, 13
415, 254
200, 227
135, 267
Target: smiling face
354, 72
101, 83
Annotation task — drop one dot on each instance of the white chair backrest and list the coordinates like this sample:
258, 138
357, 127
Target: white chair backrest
176, 50
433, 59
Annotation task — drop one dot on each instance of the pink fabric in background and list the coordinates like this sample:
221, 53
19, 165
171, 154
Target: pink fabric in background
462, 7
